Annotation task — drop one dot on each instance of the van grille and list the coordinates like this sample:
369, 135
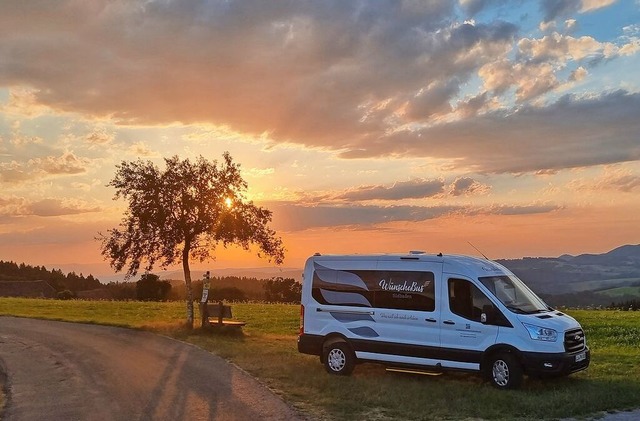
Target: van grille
574, 340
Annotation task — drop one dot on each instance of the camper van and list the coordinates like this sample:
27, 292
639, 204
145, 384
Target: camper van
432, 313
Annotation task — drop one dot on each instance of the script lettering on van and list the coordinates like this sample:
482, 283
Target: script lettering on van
398, 316
402, 287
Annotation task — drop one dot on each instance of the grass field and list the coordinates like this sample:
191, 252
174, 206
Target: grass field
267, 349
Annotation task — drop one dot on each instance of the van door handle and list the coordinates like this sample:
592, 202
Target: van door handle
449, 322
431, 319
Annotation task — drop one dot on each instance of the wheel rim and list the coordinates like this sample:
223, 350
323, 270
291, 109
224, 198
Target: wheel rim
336, 359
500, 373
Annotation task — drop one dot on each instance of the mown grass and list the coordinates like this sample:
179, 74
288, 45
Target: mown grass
266, 348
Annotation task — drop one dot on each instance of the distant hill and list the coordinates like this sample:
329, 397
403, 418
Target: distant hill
590, 279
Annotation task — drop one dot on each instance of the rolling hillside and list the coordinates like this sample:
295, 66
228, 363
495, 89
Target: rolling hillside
596, 279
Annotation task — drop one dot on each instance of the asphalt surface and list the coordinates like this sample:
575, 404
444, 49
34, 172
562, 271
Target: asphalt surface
69, 371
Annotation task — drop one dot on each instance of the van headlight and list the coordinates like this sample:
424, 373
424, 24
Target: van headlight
538, 333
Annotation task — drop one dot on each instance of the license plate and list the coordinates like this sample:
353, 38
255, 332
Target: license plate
581, 356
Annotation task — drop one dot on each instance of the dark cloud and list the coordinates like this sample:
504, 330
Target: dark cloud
289, 216
308, 72
572, 132
433, 100
473, 7
471, 106
552, 9
413, 189
466, 186
294, 217
522, 210
341, 75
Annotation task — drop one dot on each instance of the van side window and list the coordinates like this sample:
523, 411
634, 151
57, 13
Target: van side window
466, 300
401, 290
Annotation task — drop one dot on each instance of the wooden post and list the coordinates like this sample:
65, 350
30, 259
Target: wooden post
220, 312
204, 310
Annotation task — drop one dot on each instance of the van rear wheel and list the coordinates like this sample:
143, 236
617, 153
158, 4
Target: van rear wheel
505, 371
339, 359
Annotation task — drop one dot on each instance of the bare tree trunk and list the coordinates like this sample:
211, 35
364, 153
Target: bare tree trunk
187, 281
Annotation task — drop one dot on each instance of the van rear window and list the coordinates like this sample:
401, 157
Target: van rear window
402, 290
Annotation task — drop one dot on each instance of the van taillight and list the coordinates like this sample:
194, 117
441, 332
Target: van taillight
301, 319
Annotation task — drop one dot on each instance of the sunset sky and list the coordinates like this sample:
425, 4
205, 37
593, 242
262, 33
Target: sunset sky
365, 126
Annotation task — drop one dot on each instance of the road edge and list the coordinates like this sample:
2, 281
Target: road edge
5, 389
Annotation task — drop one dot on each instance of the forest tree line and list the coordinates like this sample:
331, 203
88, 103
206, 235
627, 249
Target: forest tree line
149, 287
11, 271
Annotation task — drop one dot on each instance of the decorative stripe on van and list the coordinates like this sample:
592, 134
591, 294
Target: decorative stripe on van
364, 331
341, 277
351, 317
344, 298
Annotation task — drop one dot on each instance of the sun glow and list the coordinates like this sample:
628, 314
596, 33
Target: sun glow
229, 202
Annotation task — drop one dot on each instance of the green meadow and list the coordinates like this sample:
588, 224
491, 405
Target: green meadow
266, 348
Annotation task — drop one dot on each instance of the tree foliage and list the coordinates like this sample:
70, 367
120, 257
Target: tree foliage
11, 271
151, 288
183, 212
282, 290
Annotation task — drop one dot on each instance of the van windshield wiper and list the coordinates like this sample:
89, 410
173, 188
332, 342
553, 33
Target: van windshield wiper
517, 310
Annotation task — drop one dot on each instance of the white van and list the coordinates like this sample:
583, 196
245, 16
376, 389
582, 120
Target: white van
434, 312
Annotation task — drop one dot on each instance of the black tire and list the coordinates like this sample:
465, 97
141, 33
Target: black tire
504, 371
338, 358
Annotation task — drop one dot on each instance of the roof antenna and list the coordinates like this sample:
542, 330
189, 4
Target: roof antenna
482, 254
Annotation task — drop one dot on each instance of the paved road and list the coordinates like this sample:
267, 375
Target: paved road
69, 371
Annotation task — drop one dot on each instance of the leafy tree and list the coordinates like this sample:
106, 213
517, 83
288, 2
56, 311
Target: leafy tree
228, 293
283, 290
183, 212
122, 290
151, 288
65, 295
10, 271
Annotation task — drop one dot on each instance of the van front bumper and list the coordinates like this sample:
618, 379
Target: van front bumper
561, 364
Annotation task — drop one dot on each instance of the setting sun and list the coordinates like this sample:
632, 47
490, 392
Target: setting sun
228, 202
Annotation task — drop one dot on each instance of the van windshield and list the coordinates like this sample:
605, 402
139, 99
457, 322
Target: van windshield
514, 294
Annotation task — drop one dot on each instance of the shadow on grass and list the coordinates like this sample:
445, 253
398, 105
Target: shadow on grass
226, 331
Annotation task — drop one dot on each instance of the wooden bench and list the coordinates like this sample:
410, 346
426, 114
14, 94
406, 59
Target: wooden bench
218, 314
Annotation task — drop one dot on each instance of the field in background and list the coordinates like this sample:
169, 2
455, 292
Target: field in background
267, 350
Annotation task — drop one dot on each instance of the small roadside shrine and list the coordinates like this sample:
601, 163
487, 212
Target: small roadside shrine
215, 314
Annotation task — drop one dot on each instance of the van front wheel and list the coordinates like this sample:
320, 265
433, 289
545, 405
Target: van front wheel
505, 372
339, 358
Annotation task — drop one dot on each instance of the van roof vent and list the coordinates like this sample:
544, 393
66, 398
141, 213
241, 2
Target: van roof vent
416, 252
